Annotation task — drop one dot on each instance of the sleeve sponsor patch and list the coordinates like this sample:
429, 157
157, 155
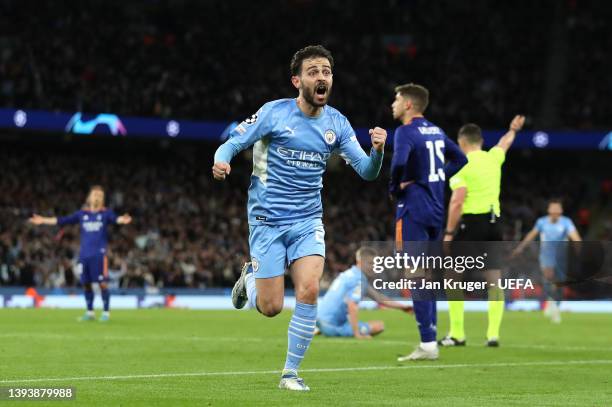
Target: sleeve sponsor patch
240, 129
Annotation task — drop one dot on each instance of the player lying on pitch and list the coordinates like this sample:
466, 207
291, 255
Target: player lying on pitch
339, 309
292, 140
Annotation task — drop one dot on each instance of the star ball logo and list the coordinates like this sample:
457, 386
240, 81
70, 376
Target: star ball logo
330, 137
253, 119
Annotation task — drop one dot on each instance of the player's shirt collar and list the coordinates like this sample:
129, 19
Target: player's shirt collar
415, 120
321, 115
102, 209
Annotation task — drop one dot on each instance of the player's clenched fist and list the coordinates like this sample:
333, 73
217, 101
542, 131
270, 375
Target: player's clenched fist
220, 170
379, 136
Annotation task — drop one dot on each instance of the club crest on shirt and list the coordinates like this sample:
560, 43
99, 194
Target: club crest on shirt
330, 137
255, 264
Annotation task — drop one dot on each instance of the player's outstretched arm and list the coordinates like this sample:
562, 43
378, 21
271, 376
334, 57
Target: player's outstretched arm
42, 220
529, 237
507, 139
124, 219
382, 299
574, 236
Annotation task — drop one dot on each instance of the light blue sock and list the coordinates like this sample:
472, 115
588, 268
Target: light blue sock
251, 289
300, 333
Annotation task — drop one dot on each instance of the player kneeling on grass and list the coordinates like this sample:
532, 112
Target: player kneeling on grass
339, 309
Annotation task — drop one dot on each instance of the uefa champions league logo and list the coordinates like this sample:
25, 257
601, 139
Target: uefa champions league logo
77, 125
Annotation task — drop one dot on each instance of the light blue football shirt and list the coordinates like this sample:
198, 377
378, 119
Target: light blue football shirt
551, 234
290, 153
554, 232
348, 285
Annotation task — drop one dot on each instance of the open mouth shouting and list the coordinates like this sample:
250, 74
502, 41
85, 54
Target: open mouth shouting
321, 93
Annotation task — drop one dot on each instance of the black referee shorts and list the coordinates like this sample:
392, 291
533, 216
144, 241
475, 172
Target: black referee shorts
481, 228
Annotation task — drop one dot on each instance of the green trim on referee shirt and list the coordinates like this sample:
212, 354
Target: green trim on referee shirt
482, 178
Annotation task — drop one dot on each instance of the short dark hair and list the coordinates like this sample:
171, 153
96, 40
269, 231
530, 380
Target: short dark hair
418, 94
96, 188
555, 201
309, 52
471, 132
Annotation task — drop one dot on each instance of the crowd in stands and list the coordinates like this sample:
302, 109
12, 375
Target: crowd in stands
191, 231
482, 61
588, 66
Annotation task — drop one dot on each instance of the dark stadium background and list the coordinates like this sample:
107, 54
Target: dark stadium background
220, 61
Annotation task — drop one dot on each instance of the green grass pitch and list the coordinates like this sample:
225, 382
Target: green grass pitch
168, 357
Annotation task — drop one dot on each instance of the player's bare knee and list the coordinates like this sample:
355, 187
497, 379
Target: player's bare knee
270, 308
271, 311
87, 287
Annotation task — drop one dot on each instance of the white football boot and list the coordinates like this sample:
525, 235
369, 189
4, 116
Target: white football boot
420, 354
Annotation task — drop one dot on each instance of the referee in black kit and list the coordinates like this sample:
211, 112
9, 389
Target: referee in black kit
473, 215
